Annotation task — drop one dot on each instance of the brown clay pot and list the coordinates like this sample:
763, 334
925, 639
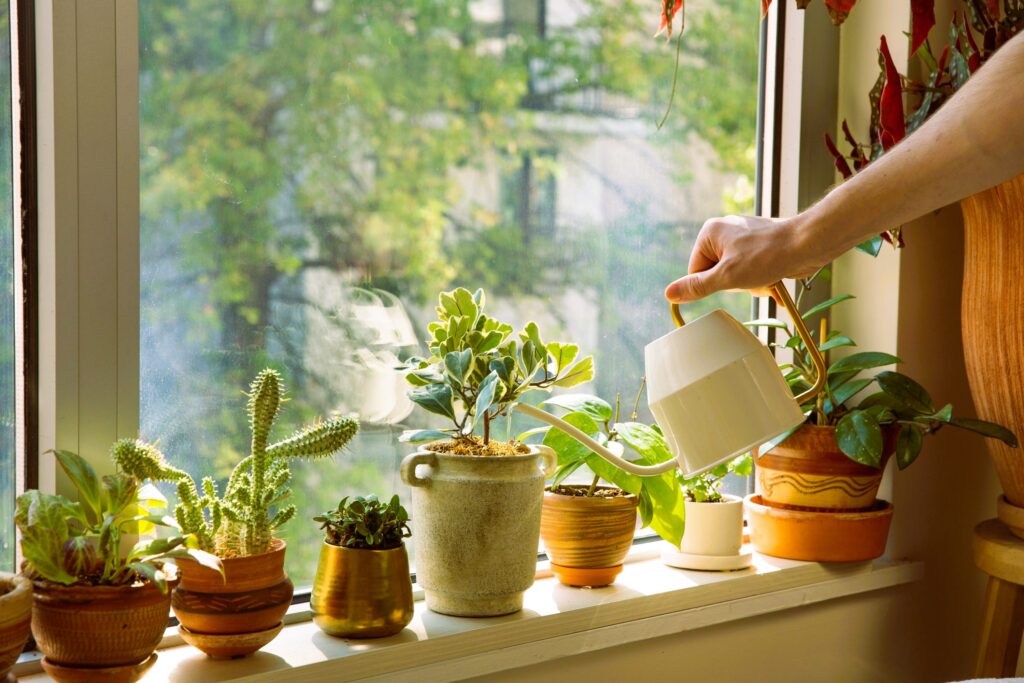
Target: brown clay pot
15, 618
251, 598
993, 320
94, 627
808, 471
818, 535
587, 537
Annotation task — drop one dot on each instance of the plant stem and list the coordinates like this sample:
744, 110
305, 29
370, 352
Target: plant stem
487, 427
593, 485
639, 393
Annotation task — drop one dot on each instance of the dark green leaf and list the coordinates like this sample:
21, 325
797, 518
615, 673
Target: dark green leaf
989, 429
871, 246
485, 396
458, 363
825, 305
864, 360
906, 391
424, 435
434, 398
908, 446
845, 392
860, 438
768, 446
836, 342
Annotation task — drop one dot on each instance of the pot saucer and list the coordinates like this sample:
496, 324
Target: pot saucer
674, 557
229, 645
112, 674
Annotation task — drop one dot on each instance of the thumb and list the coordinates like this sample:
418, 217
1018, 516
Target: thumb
693, 286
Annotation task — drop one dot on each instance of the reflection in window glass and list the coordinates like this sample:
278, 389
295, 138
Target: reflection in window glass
7, 363
313, 173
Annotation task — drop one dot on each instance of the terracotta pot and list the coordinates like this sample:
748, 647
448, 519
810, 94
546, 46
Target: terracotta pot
817, 535
476, 528
15, 618
808, 471
98, 626
252, 597
993, 319
586, 537
360, 593
714, 529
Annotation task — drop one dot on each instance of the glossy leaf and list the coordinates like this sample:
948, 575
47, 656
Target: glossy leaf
593, 406
860, 437
565, 470
864, 360
871, 246
908, 446
434, 398
458, 364
984, 428
485, 397
825, 305
645, 441
567, 448
906, 391
630, 483
847, 391
424, 435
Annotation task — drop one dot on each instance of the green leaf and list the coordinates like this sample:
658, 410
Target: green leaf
582, 371
860, 438
458, 364
944, 414
504, 366
562, 354
565, 470
424, 435
484, 397
593, 406
847, 391
567, 448
630, 483
825, 305
83, 476
149, 571
669, 513
906, 391
646, 509
871, 246
862, 361
645, 441
434, 398
908, 446
989, 429
836, 342
880, 398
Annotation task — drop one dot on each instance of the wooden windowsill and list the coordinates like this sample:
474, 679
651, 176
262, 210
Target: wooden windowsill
649, 599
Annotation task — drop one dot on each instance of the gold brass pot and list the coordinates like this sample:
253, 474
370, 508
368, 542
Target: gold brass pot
360, 593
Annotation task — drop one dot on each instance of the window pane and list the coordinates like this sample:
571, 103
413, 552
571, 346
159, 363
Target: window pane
7, 339
313, 173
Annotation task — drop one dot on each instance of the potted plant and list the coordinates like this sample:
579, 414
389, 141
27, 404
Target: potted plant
588, 529
240, 612
714, 521
477, 513
834, 461
15, 619
99, 611
362, 587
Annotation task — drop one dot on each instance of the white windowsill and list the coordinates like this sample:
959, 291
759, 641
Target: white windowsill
648, 600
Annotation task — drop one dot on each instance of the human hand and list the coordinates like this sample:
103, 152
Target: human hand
744, 252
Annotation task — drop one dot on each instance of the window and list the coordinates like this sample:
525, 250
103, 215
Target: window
312, 174
7, 302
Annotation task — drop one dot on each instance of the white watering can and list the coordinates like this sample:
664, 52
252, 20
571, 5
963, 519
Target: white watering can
715, 391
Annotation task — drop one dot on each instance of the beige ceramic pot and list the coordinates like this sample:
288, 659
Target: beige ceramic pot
476, 528
587, 537
714, 529
808, 471
15, 618
91, 627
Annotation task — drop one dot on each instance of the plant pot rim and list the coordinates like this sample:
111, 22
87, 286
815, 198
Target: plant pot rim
727, 499
532, 453
880, 508
593, 500
276, 545
18, 588
382, 551
45, 589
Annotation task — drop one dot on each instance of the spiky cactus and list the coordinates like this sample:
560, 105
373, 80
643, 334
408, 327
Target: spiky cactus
240, 521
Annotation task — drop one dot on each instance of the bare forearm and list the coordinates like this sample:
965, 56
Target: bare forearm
975, 141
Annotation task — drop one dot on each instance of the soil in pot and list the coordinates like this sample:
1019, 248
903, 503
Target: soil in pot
15, 618
587, 536
249, 602
808, 471
474, 445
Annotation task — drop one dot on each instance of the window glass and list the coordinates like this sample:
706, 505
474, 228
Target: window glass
7, 338
314, 173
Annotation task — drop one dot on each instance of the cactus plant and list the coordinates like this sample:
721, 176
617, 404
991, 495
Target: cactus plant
239, 522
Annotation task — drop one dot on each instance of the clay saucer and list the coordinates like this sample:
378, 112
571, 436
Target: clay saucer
231, 645
128, 673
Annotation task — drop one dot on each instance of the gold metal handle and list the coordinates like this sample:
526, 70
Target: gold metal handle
782, 295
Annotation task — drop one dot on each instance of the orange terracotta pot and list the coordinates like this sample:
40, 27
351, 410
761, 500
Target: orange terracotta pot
15, 618
92, 627
807, 471
252, 597
587, 537
818, 536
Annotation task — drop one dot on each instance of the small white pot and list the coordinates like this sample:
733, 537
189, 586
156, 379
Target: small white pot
714, 528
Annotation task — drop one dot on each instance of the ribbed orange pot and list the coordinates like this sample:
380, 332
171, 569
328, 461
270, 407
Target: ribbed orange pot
98, 626
252, 597
587, 537
15, 618
808, 471
993, 320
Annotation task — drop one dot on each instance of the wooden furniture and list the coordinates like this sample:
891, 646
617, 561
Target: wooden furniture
1000, 554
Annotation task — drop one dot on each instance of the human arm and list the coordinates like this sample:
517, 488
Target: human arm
975, 141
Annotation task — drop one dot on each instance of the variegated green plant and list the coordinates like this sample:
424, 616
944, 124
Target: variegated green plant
479, 368
242, 521
79, 542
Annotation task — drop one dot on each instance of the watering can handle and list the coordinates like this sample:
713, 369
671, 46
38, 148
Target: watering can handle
820, 371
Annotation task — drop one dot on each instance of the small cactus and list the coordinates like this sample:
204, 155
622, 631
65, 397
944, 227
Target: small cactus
240, 522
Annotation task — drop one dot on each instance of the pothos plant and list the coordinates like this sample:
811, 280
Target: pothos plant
706, 487
660, 500
478, 368
79, 542
242, 521
366, 523
901, 403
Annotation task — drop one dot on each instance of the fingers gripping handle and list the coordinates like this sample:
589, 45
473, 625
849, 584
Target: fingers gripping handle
409, 464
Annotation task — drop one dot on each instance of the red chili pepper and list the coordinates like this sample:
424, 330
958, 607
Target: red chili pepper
923, 13
891, 120
838, 159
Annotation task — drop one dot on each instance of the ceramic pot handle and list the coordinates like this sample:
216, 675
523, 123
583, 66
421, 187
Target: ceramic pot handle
548, 460
409, 464
782, 295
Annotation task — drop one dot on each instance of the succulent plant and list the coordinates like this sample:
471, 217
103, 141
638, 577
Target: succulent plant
239, 522
366, 523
